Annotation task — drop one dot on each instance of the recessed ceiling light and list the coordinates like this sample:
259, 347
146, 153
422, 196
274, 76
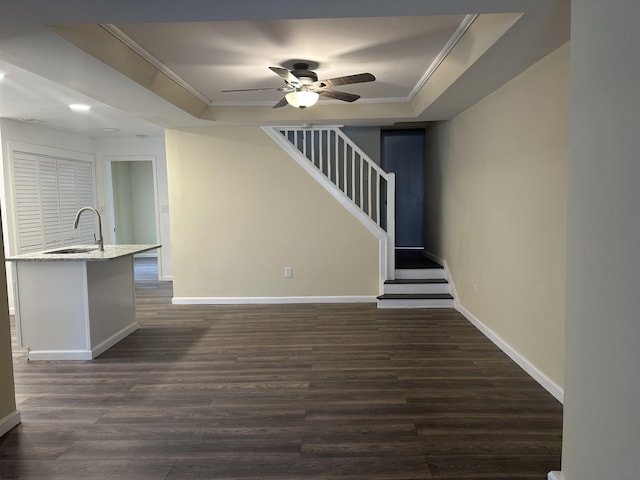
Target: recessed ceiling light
2, 75
109, 129
79, 107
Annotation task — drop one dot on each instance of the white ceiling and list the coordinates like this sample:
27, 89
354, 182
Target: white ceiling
27, 97
217, 56
208, 46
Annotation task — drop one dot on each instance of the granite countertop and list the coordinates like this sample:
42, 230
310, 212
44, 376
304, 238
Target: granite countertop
89, 253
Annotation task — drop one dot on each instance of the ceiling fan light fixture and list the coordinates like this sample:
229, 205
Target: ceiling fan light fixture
302, 98
304, 87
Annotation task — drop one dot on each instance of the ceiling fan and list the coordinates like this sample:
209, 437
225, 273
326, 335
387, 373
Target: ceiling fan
303, 87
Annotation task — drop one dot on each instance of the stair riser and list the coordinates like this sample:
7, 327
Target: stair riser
415, 303
418, 273
417, 288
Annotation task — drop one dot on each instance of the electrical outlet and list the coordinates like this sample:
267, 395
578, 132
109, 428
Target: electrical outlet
288, 272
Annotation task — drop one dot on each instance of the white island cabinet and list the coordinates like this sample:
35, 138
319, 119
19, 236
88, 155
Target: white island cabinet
74, 303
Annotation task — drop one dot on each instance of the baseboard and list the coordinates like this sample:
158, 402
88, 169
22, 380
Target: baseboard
433, 257
269, 300
35, 355
113, 339
554, 476
548, 384
9, 421
447, 276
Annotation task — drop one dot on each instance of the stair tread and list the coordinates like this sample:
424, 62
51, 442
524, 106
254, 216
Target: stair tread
409, 281
417, 267
416, 296
411, 258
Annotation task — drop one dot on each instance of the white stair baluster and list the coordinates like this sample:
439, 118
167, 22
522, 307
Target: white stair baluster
345, 163
329, 162
304, 144
337, 157
353, 176
377, 177
361, 175
321, 151
369, 191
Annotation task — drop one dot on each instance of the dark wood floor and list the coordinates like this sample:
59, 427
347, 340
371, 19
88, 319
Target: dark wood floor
283, 392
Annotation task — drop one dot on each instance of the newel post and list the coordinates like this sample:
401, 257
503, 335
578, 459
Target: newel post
391, 226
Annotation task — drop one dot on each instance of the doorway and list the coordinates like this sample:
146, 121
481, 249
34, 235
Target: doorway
133, 202
402, 152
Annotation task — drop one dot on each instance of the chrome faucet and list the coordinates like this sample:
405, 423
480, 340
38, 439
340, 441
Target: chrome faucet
99, 241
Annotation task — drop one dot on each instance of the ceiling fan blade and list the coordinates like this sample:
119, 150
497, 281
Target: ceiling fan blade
287, 76
283, 102
347, 80
338, 95
279, 89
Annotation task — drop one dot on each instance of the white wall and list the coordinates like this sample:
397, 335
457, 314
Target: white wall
13, 130
602, 397
496, 186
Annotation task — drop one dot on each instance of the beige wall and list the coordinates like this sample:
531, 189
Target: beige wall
496, 210
7, 392
242, 211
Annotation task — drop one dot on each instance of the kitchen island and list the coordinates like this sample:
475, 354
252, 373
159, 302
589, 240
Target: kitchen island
73, 303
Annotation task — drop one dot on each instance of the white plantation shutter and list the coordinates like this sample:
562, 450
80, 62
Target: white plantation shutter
48, 193
84, 198
27, 202
71, 201
48, 183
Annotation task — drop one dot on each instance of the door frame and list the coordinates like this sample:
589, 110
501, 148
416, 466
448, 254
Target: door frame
108, 161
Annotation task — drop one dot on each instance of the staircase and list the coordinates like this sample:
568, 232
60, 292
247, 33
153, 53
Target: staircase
408, 279
350, 176
419, 283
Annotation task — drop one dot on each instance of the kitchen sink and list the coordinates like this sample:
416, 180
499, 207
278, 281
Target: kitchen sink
73, 250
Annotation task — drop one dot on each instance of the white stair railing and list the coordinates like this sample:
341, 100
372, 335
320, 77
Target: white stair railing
350, 175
